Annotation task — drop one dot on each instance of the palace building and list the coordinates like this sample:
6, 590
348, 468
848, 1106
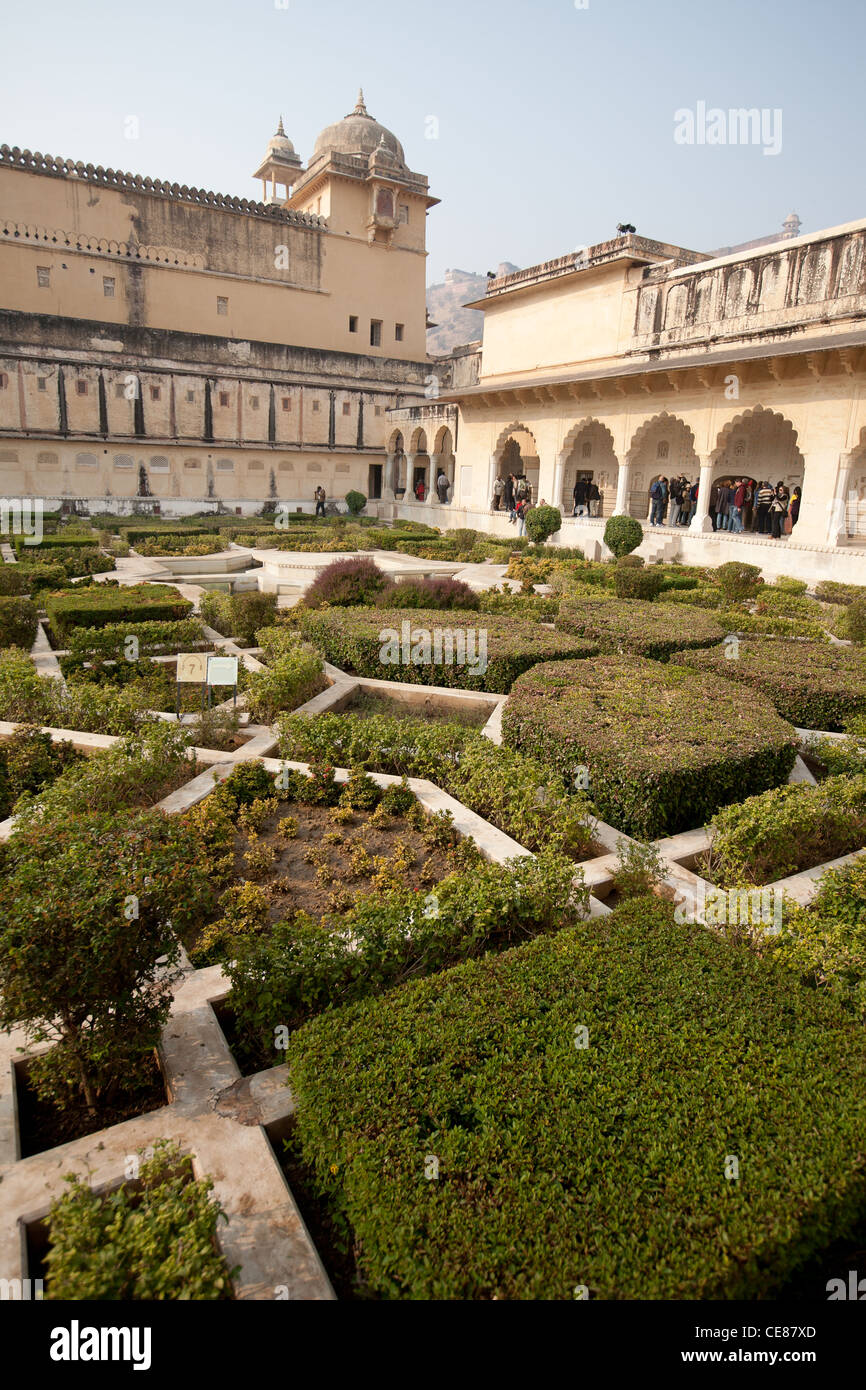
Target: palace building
162, 342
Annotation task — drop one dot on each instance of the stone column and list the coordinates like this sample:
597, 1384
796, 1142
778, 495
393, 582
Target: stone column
432, 493
487, 501
389, 487
556, 499
825, 511
701, 519
841, 522
623, 490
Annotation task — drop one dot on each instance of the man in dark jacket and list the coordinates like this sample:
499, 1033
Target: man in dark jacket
579, 497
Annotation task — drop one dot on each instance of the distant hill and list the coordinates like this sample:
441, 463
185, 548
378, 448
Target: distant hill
457, 325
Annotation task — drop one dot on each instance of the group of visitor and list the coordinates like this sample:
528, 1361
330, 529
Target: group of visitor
588, 500
743, 504
513, 495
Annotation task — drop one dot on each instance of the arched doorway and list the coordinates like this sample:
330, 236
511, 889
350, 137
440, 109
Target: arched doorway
516, 452
589, 455
443, 462
760, 447
395, 465
419, 462
663, 447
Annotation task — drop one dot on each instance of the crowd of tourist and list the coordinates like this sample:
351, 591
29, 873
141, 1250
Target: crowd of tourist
742, 504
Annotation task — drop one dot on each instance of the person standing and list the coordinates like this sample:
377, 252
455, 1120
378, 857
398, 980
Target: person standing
593, 498
508, 496
321, 499
442, 487
579, 495
794, 509
778, 512
658, 496
764, 499
498, 492
738, 505
420, 490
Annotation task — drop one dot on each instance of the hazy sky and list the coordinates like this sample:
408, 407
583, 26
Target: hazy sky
554, 122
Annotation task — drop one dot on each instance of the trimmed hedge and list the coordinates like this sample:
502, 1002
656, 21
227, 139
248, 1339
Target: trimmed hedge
622, 535
101, 605
813, 685
785, 831
18, 623
646, 629
664, 746
154, 639
353, 640
601, 1167
632, 581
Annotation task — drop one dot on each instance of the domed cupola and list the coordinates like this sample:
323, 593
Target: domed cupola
281, 166
360, 136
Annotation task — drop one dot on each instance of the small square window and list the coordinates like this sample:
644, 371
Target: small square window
190, 397
224, 397
378, 410
287, 402
315, 407
4, 381
81, 388
353, 323
41, 383
222, 305
108, 286
404, 214
254, 402
347, 408
399, 330
155, 393
43, 276
120, 391
376, 333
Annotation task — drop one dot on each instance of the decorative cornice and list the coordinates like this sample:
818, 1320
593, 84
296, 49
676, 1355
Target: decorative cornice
114, 178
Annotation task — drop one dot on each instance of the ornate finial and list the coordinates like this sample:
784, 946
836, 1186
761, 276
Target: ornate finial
360, 107
280, 130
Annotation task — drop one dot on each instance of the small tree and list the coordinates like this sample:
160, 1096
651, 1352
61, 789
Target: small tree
87, 908
543, 522
622, 535
356, 502
737, 580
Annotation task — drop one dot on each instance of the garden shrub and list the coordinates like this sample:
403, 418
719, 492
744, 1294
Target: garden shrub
347, 583
826, 942
622, 535
356, 502
664, 747
151, 1240
855, 621
647, 629
524, 798
29, 762
530, 569
542, 523
292, 678
103, 605
636, 583
738, 620
547, 1150
640, 869
383, 939
29, 579
828, 591
787, 584
138, 771
111, 643
772, 600
440, 592
815, 686
238, 615
25, 696
18, 623
246, 783
541, 607
630, 562
737, 580
399, 644
787, 830
88, 904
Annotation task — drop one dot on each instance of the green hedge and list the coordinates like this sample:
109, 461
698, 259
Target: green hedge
647, 629
18, 623
353, 640
600, 1167
826, 942
789, 829
813, 685
523, 797
664, 746
30, 579
62, 541
386, 938
154, 639
103, 605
